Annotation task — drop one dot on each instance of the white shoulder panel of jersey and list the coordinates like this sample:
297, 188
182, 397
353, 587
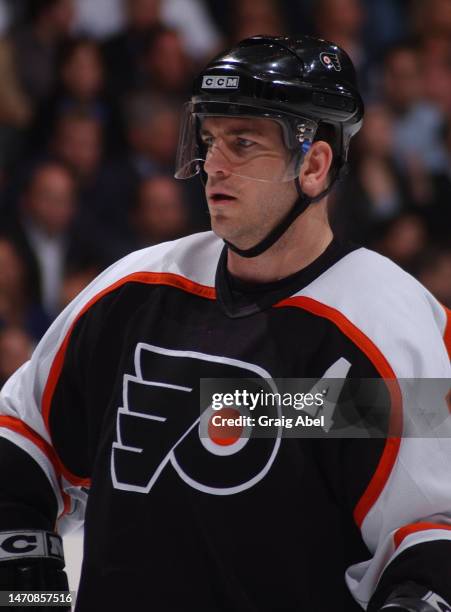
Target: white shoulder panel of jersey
406, 323
398, 314
194, 257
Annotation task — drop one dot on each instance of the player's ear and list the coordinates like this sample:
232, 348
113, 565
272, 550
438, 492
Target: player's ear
315, 168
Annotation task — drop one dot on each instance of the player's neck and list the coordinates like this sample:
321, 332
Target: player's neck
301, 244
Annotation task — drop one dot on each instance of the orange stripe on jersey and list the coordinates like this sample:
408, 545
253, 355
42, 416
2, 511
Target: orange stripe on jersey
447, 335
381, 364
402, 533
26, 431
151, 278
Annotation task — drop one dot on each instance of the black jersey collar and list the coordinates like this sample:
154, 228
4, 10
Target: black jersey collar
238, 298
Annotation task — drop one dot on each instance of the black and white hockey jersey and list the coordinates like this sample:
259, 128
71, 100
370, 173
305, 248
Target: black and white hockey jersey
103, 425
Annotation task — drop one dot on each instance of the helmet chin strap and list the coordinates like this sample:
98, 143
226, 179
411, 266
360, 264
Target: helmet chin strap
302, 202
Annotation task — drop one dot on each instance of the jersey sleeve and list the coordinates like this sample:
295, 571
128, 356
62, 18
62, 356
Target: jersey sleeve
396, 487
404, 511
37, 489
55, 451
405, 514
27, 446
407, 529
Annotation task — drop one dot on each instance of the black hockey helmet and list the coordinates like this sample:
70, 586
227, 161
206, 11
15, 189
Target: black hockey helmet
302, 83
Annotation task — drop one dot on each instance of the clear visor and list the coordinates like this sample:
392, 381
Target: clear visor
258, 145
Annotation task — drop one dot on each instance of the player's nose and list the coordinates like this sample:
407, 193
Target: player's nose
217, 162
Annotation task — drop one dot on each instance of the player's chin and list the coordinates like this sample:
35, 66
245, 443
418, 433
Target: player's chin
224, 227
235, 236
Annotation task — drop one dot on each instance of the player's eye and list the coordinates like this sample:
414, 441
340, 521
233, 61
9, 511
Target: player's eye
207, 140
244, 143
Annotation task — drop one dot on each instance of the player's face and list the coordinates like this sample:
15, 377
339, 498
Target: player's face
244, 210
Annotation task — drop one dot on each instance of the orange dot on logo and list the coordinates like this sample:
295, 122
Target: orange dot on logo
221, 432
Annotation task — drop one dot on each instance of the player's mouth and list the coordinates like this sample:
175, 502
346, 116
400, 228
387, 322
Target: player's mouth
220, 198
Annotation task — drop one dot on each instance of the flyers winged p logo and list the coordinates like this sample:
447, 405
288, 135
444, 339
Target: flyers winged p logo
160, 428
330, 61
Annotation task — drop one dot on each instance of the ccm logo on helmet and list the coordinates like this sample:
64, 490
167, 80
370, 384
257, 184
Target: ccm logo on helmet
220, 82
330, 60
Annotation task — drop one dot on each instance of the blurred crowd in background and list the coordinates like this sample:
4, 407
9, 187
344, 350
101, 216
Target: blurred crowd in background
90, 101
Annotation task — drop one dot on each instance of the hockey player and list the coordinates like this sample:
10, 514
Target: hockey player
103, 424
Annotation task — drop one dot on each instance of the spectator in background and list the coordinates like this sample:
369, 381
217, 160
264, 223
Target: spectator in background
124, 51
200, 37
343, 21
16, 347
15, 106
434, 44
435, 273
160, 213
35, 46
375, 191
76, 278
167, 70
439, 210
79, 82
432, 25
251, 18
437, 82
15, 110
152, 125
82, 75
27, 72
5, 16
42, 231
417, 143
99, 19
403, 240
432, 21
385, 24
191, 18
80, 85
103, 187
78, 141
18, 303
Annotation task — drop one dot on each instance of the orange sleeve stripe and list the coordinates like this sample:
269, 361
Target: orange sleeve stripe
447, 334
402, 533
154, 278
367, 346
24, 430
